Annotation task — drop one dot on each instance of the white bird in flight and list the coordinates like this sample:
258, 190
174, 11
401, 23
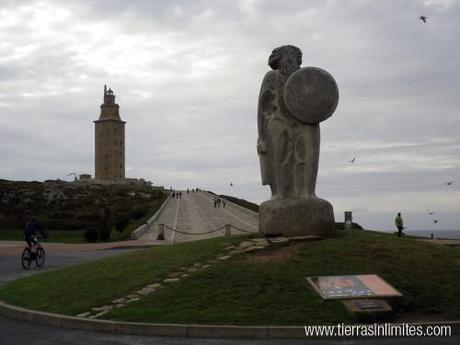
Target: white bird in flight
353, 160
449, 183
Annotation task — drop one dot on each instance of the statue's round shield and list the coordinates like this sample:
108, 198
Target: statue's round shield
311, 95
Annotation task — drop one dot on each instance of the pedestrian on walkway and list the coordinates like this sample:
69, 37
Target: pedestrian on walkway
399, 224
180, 195
223, 203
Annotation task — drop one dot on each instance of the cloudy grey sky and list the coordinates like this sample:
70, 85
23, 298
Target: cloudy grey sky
187, 76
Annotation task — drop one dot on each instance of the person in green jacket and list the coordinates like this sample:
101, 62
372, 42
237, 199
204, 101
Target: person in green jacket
399, 224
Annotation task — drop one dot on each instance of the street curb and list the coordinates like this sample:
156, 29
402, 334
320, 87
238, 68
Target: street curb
174, 330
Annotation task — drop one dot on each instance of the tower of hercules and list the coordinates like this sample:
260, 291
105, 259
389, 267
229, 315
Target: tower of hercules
109, 141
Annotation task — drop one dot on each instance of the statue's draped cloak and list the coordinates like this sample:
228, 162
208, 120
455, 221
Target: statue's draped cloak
288, 149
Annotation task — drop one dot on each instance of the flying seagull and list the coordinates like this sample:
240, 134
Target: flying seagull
423, 19
71, 174
353, 160
430, 212
449, 183
435, 221
231, 184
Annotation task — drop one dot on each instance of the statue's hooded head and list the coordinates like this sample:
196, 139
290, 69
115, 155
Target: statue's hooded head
286, 59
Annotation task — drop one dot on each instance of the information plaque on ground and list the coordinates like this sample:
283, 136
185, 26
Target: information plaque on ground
353, 286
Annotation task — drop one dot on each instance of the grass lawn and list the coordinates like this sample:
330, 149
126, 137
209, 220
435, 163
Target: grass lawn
64, 236
77, 289
267, 287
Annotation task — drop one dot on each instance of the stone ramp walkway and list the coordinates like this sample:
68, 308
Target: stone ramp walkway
195, 213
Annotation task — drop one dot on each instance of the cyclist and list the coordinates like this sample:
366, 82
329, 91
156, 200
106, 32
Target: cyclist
32, 230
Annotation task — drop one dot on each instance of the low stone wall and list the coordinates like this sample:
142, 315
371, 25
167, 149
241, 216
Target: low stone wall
138, 232
145, 227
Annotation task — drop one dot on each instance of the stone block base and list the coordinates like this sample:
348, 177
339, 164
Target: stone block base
296, 217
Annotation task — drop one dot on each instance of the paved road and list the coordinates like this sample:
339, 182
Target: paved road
11, 269
195, 213
13, 332
16, 247
61, 255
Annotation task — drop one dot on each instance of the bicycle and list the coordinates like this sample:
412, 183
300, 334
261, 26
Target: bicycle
34, 253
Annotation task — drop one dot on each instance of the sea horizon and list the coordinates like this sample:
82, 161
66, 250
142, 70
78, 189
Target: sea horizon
450, 234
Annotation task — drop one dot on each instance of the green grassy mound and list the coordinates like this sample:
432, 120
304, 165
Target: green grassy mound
267, 287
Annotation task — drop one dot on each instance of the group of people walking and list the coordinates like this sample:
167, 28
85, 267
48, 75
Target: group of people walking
178, 194
218, 202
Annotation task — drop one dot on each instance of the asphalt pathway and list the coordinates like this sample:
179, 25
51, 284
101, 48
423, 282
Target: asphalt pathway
22, 333
11, 269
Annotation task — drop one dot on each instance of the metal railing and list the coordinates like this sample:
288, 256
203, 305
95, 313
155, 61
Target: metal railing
226, 227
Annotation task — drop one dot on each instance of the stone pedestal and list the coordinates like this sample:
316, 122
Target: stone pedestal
296, 217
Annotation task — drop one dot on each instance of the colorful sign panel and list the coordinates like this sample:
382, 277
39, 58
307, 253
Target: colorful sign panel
353, 286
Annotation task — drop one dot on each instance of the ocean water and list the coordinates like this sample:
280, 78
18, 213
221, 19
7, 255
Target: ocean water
443, 234
446, 234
